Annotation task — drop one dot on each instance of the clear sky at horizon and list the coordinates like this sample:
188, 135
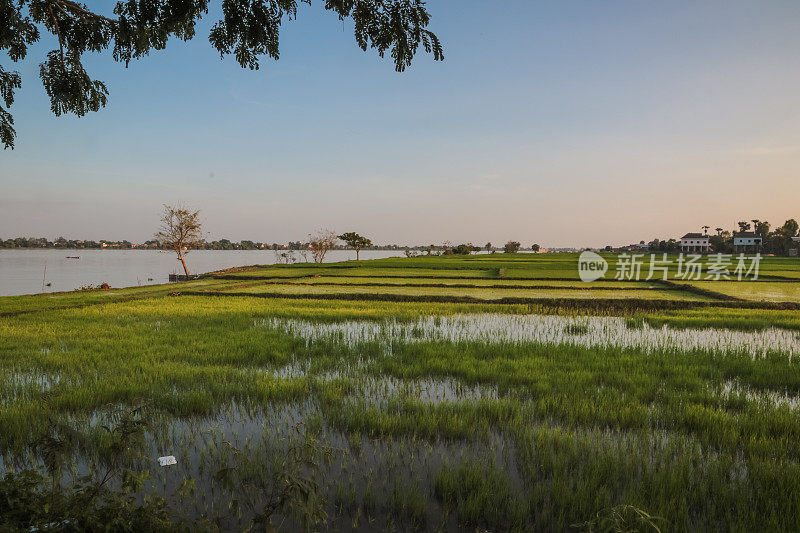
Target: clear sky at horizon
576, 123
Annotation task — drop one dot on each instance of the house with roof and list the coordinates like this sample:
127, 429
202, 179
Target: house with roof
694, 242
747, 241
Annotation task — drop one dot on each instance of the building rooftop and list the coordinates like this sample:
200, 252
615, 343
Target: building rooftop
694, 236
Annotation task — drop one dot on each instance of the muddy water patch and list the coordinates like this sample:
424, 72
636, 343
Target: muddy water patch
243, 453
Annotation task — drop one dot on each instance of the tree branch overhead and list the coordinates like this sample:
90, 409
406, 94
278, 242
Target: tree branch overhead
249, 30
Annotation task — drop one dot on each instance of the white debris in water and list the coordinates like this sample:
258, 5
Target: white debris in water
599, 332
167, 460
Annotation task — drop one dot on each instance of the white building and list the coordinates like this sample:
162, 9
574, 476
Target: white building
746, 241
694, 242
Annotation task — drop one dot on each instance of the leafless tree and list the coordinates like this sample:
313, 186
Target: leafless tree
180, 230
322, 241
284, 258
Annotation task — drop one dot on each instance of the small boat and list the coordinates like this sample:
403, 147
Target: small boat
73, 257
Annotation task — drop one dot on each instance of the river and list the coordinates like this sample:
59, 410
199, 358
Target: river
27, 271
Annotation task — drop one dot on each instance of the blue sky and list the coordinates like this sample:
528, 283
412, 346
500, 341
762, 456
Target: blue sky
575, 123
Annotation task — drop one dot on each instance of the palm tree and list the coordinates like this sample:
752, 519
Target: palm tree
705, 230
719, 231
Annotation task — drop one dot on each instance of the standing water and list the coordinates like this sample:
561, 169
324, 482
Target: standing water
22, 271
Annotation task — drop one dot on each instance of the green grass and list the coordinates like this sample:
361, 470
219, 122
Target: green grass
469, 283
479, 293
422, 433
756, 290
738, 319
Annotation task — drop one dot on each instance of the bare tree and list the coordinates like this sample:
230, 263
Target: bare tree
284, 258
322, 241
180, 230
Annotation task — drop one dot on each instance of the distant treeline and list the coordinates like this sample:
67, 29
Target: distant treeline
222, 244
61, 242
776, 240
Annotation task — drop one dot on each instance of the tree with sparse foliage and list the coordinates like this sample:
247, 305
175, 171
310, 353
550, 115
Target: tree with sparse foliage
180, 230
355, 241
322, 241
488, 247
535, 247
249, 30
511, 247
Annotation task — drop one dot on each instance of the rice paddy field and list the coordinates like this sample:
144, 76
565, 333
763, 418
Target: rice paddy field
482, 393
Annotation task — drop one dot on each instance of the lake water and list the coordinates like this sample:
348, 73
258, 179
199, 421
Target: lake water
21, 271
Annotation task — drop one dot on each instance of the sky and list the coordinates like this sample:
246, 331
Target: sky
571, 123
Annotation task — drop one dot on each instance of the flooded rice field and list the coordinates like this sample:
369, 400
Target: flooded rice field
590, 332
383, 436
